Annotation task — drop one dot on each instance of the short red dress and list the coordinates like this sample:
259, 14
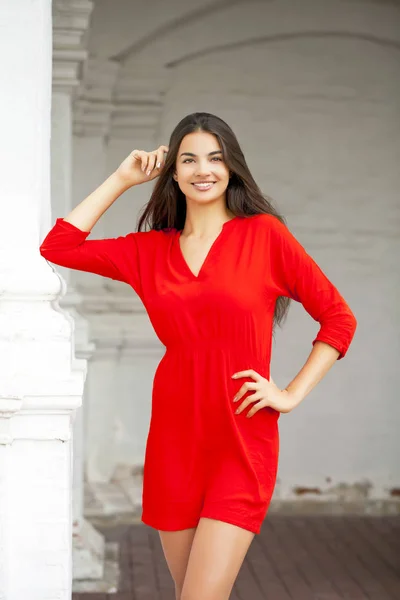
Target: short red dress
203, 460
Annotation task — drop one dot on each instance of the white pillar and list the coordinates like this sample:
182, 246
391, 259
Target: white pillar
88, 544
40, 385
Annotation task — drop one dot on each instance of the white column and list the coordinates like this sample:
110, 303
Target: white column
40, 386
88, 544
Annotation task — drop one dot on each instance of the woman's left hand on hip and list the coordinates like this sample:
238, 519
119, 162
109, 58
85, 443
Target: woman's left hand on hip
266, 394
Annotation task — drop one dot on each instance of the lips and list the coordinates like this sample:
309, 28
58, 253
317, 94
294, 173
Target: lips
203, 185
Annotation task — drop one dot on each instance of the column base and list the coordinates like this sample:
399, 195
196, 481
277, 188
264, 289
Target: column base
88, 552
108, 584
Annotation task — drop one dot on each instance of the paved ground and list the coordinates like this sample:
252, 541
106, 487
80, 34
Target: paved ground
294, 558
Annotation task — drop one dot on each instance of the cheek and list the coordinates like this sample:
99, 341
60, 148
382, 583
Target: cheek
223, 180
184, 173
223, 174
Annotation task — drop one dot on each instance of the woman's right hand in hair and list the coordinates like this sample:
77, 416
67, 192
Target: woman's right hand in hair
141, 166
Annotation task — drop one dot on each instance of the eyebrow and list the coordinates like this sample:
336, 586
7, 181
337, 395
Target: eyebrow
209, 154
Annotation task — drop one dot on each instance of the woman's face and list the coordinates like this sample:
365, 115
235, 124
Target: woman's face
201, 172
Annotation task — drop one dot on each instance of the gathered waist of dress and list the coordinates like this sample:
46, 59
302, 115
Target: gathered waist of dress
223, 343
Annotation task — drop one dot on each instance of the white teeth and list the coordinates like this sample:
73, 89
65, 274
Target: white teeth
204, 185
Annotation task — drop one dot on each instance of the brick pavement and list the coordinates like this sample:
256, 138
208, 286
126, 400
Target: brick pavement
293, 558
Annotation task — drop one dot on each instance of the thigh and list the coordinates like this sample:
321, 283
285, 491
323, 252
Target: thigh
217, 553
176, 546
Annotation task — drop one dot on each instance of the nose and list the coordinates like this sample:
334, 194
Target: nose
202, 168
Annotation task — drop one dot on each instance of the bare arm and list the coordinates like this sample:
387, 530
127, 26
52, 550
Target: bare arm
322, 357
137, 168
295, 275
117, 258
88, 212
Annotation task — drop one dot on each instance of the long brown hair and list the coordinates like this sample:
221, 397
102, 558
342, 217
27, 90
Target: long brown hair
167, 205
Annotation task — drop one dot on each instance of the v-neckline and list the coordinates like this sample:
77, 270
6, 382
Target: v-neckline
209, 253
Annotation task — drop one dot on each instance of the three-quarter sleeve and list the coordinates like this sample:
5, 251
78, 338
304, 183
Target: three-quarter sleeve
117, 258
296, 275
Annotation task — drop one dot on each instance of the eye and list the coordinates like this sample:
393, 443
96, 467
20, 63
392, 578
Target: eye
218, 158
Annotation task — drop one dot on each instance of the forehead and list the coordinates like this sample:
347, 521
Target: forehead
199, 142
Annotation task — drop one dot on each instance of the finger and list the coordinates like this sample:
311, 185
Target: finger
139, 156
254, 409
248, 373
162, 150
151, 163
145, 161
160, 158
249, 385
135, 154
247, 402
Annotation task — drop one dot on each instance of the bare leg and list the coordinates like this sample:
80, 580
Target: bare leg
218, 551
176, 546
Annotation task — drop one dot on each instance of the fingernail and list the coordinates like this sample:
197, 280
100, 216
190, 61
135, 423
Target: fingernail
148, 172
158, 165
235, 399
233, 376
237, 411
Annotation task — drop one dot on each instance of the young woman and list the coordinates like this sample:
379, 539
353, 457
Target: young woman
216, 271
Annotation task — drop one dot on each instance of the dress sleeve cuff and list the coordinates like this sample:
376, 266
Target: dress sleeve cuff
339, 346
70, 227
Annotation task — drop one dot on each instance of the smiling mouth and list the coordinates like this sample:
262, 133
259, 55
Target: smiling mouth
204, 185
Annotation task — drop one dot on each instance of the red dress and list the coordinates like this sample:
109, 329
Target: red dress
203, 460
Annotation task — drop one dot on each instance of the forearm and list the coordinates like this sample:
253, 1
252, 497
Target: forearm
88, 212
322, 357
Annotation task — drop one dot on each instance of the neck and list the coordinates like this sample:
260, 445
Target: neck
205, 222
